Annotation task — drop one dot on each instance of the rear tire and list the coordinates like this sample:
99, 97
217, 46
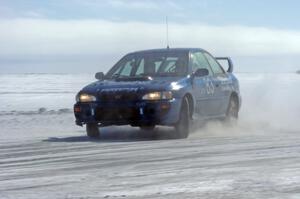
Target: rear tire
182, 127
232, 113
92, 130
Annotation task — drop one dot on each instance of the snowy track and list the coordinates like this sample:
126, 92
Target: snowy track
199, 167
44, 155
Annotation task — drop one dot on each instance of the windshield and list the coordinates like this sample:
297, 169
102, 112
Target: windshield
154, 64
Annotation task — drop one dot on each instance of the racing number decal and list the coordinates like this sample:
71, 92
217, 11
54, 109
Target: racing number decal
210, 89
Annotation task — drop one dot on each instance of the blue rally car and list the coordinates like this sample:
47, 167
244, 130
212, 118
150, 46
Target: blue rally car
167, 87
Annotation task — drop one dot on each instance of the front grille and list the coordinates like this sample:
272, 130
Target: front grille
118, 96
117, 114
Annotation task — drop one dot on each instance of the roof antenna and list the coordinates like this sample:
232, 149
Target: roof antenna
167, 31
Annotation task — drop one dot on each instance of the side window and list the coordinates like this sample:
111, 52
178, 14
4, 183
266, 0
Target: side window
214, 65
199, 61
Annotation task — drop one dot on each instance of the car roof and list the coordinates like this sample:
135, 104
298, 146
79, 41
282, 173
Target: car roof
161, 50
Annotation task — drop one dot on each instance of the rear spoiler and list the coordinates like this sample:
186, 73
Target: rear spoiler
229, 62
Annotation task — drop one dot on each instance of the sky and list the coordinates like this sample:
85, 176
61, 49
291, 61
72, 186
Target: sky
86, 36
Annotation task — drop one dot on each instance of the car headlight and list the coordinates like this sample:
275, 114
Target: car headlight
164, 95
85, 98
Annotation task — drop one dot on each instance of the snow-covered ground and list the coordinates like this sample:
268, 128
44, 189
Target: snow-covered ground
44, 155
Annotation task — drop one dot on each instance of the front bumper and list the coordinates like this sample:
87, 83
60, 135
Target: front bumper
128, 113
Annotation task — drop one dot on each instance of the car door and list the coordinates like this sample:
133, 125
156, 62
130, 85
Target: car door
221, 81
203, 88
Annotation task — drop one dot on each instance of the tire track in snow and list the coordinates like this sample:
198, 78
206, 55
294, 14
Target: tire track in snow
144, 168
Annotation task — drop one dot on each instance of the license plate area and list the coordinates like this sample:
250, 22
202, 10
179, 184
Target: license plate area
116, 113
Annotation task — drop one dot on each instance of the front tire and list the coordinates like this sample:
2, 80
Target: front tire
92, 130
182, 127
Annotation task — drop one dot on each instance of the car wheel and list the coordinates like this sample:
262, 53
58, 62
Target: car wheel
147, 128
232, 113
182, 127
92, 130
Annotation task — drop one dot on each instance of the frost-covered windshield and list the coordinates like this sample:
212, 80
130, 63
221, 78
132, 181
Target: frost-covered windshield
152, 64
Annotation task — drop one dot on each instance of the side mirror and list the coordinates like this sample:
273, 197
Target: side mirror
221, 61
99, 76
201, 72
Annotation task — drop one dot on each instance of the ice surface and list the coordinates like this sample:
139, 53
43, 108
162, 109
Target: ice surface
44, 155
30, 92
43, 102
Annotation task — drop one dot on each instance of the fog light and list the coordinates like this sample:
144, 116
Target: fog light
77, 109
165, 106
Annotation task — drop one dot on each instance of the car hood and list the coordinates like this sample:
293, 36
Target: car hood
157, 84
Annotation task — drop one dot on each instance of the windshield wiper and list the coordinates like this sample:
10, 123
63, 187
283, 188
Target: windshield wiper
165, 74
140, 77
118, 76
145, 75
